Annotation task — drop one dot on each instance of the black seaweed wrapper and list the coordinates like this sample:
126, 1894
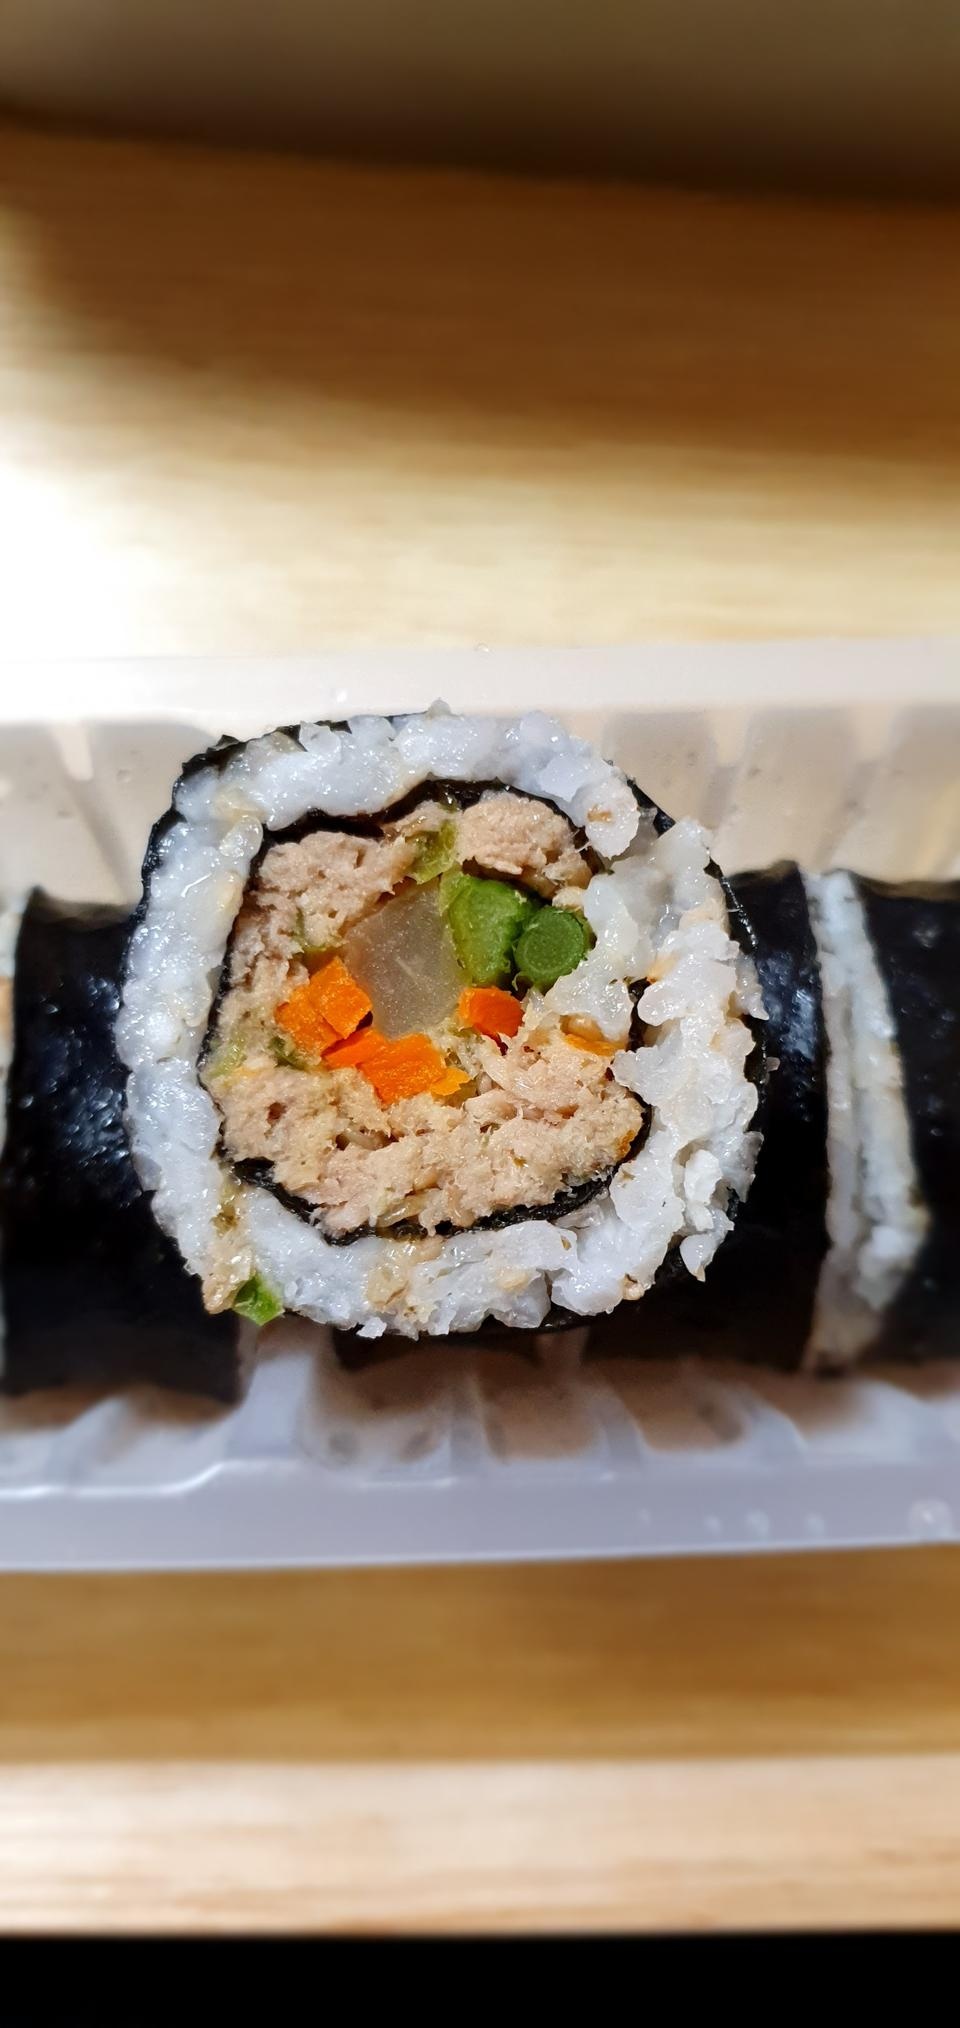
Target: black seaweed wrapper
756, 1301
93, 1292
915, 932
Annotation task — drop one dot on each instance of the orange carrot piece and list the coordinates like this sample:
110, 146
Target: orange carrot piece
595, 1045
326, 1009
400, 1069
303, 1022
405, 1068
489, 1010
356, 1051
336, 995
453, 1077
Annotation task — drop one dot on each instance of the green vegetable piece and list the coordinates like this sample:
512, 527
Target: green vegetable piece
283, 1051
434, 854
450, 885
552, 944
256, 1300
227, 1057
313, 953
486, 917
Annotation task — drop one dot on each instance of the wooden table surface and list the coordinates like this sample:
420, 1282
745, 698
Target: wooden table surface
253, 404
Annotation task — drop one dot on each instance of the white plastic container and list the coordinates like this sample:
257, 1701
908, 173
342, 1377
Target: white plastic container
829, 752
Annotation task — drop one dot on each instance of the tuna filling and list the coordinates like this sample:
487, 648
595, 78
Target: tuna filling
380, 1053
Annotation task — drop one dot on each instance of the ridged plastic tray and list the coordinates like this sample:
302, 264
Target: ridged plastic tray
831, 752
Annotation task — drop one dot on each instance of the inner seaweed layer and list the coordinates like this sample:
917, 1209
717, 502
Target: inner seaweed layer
378, 1057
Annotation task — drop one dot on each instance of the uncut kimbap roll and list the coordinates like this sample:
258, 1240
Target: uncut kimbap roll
431, 1021
91, 1291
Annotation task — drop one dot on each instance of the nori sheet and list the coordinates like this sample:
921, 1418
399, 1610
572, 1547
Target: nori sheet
914, 928
93, 1292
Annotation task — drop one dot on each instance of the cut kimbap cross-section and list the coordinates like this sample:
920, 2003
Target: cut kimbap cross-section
431, 1020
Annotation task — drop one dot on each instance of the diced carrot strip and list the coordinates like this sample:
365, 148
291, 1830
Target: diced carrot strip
450, 1082
405, 1068
412, 1063
336, 995
489, 1010
595, 1043
328, 1007
303, 1022
356, 1051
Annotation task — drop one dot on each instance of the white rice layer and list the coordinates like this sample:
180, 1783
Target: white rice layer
658, 915
876, 1220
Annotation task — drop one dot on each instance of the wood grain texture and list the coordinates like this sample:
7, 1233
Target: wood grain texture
258, 404
442, 1846
693, 1659
265, 405
773, 1740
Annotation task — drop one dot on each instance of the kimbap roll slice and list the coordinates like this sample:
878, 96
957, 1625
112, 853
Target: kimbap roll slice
91, 1291
757, 1301
877, 1216
10, 913
914, 932
770, 1274
434, 1020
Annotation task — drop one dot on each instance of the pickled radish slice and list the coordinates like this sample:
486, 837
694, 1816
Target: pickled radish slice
403, 956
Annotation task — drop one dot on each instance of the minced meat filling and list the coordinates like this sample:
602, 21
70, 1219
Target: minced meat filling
515, 1121
525, 840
